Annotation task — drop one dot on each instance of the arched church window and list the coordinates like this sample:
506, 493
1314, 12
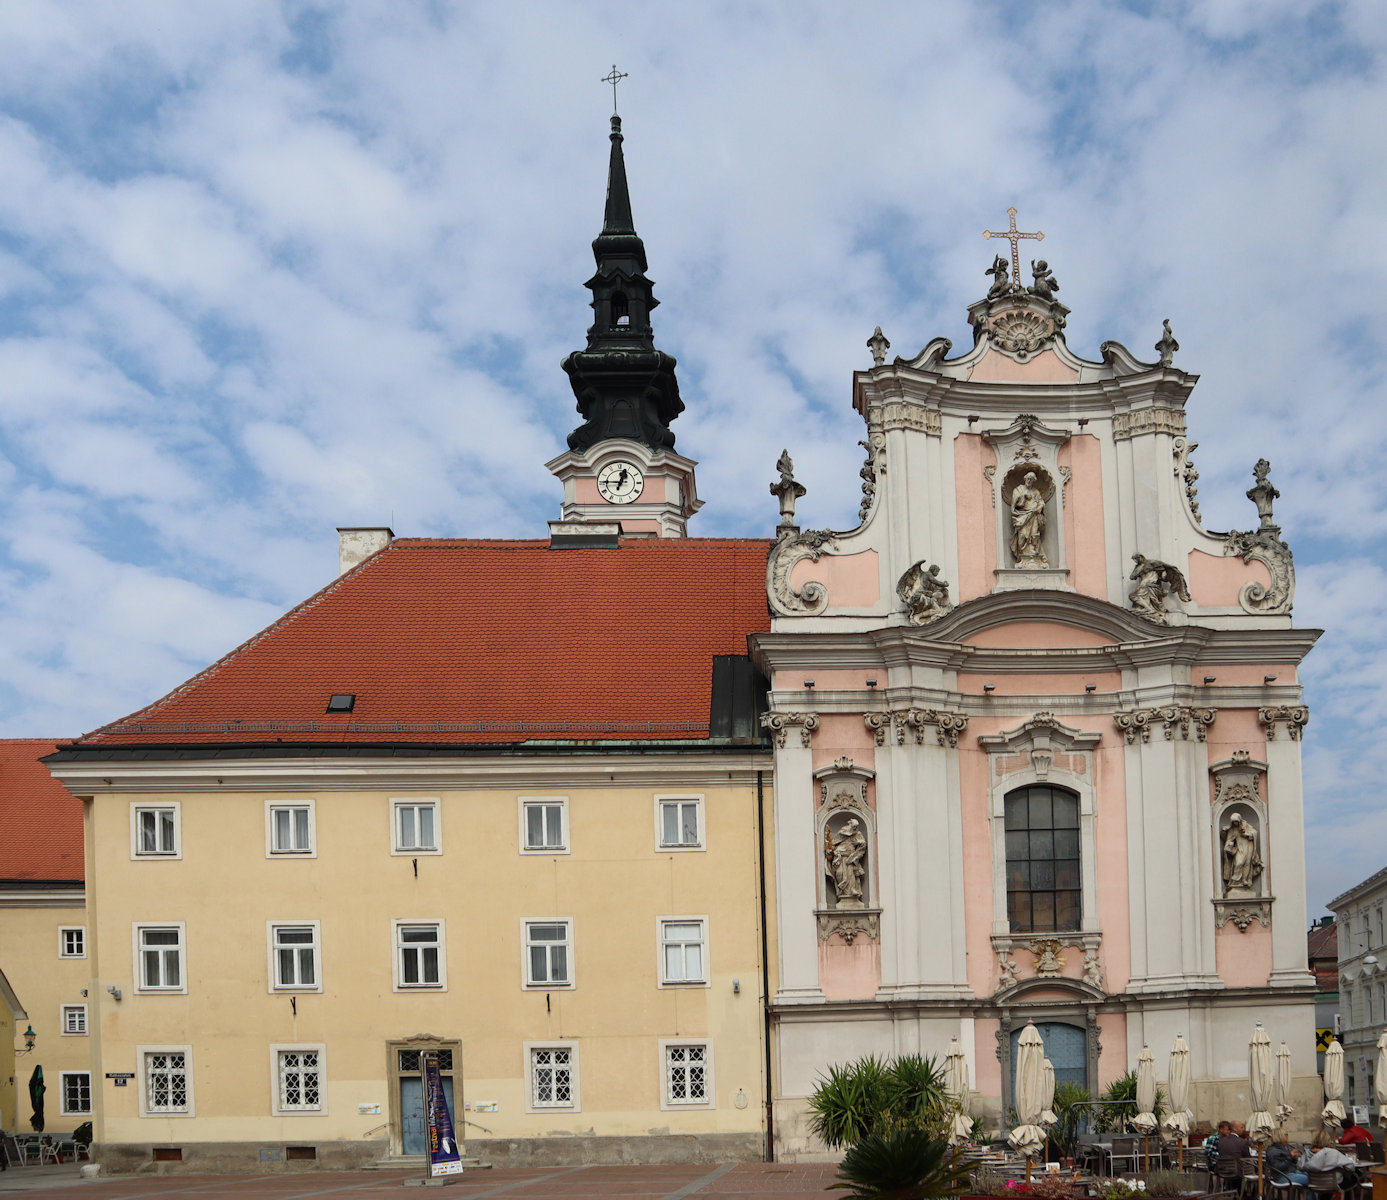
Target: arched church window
621, 309
1044, 887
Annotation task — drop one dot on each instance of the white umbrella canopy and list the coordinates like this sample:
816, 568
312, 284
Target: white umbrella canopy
1261, 1126
1047, 1120
1333, 1112
1177, 1121
1145, 1120
1284, 1111
1380, 1081
1028, 1138
956, 1085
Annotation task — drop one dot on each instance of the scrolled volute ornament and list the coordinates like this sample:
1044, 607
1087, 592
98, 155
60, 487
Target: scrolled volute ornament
1293, 716
1183, 719
1265, 546
780, 723
784, 599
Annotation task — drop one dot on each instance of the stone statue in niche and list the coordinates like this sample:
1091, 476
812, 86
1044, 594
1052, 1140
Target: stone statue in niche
1242, 864
845, 862
1028, 524
1154, 582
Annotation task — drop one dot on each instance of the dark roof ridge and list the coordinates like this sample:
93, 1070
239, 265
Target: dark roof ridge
211, 669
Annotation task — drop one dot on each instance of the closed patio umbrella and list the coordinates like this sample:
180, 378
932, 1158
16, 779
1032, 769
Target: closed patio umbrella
36, 1090
1380, 1081
1284, 1111
1261, 1127
1145, 1120
1176, 1125
956, 1085
1028, 1138
1047, 1120
1333, 1112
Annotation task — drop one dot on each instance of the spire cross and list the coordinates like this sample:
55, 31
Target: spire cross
1013, 236
616, 77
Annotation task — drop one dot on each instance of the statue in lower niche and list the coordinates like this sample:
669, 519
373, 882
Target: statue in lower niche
1241, 862
1154, 582
845, 855
1028, 524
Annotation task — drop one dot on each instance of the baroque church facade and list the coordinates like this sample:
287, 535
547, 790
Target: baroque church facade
1022, 745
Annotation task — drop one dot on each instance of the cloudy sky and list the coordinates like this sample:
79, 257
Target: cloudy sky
269, 268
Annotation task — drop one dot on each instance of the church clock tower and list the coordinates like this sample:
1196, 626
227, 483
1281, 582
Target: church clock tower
620, 473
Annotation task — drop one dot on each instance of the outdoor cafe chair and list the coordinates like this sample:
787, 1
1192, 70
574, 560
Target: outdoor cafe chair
1125, 1150
1229, 1172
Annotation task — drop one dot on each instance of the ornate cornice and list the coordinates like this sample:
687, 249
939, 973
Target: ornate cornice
1293, 716
1183, 717
779, 724
902, 414
1148, 420
947, 725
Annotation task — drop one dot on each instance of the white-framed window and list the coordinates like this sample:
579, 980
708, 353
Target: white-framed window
156, 830
679, 822
75, 1088
421, 959
72, 941
74, 1020
553, 1072
295, 956
415, 827
166, 1081
290, 829
549, 953
683, 951
687, 1069
159, 958
300, 1079
543, 825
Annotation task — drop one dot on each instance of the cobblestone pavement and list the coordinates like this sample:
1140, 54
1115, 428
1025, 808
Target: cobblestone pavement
729, 1181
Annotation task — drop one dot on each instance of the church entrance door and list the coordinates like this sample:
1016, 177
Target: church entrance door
1064, 1047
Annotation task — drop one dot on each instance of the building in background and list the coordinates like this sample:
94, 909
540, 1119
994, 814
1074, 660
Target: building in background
1037, 731
43, 929
1322, 955
1358, 913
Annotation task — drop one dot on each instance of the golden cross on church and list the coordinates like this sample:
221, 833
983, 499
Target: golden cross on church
1013, 235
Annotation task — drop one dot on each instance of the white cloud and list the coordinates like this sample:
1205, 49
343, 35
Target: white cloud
266, 269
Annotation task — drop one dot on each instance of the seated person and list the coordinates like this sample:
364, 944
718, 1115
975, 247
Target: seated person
1230, 1143
1281, 1162
1327, 1157
1354, 1135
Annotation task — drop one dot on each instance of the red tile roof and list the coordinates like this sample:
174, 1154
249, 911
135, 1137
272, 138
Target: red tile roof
40, 819
483, 641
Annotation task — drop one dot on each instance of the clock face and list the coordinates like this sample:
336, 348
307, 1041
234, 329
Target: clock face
620, 482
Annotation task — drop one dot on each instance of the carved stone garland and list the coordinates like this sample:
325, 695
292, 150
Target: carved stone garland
1185, 470
947, 725
1137, 723
779, 724
1264, 545
875, 466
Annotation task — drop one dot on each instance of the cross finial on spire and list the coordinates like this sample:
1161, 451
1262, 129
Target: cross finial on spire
616, 77
1013, 236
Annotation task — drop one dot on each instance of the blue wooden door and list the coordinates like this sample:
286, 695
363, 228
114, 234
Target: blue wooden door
413, 1133
1064, 1047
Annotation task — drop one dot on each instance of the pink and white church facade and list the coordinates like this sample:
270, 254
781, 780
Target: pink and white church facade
1037, 732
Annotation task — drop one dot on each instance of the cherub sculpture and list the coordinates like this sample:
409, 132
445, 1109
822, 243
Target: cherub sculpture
1154, 582
1045, 283
1001, 278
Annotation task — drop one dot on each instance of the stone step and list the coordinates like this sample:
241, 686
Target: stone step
415, 1162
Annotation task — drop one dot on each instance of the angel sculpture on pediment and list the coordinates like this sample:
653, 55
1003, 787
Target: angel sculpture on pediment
1001, 278
1154, 582
1046, 285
